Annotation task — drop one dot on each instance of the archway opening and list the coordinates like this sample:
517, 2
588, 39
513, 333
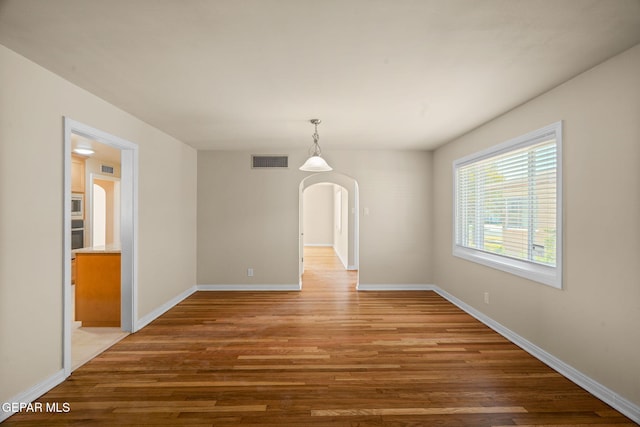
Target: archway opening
329, 231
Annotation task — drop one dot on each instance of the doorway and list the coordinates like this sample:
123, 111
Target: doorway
329, 226
106, 185
96, 265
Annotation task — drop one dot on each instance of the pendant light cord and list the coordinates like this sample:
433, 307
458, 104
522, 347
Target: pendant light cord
316, 147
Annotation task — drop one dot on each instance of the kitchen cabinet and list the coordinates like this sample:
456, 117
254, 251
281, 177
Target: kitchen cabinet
77, 174
97, 287
73, 271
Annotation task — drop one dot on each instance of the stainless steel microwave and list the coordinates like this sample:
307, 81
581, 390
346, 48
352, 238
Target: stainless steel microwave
77, 206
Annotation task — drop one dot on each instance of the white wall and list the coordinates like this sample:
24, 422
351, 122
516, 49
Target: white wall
33, 102
341, 226
318, 215
593, 323
254, 222
395, 236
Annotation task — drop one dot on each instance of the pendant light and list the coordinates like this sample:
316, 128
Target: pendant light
315, 162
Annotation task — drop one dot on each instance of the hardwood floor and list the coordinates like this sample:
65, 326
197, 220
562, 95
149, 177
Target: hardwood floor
326, 356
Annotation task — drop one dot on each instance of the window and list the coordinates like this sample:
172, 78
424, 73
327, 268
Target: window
507, 206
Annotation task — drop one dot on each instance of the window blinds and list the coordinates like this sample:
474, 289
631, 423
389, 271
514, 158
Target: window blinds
506, 202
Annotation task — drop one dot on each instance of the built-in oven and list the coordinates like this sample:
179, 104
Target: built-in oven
77, 206
77, 233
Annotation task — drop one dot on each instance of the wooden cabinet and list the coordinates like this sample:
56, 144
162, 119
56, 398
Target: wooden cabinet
77, 174
98, 288
73, 271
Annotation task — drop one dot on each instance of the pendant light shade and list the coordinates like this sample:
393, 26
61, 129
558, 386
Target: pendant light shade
315, 162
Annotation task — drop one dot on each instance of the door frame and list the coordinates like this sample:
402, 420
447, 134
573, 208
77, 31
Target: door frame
128, 229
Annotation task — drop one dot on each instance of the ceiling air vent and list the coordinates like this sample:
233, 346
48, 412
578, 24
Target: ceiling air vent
269, 162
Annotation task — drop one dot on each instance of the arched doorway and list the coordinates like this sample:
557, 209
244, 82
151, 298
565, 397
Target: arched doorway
350, 198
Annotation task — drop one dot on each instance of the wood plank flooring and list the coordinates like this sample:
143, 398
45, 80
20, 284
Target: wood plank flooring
326, 356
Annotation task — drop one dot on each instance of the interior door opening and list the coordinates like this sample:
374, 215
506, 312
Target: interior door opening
96, 265
99, 280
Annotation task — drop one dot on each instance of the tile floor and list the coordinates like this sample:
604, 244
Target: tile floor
87, 343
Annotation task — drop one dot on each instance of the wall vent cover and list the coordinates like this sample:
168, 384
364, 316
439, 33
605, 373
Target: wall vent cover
269, 162
107, 169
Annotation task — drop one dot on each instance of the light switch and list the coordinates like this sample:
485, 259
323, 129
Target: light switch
366, 211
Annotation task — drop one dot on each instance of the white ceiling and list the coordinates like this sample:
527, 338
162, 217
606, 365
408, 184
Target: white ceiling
249, 74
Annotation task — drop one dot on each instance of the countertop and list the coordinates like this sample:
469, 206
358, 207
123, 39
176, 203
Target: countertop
108, 249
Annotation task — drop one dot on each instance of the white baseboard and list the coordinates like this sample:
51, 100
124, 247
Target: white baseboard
34, 392
395, 287
144, 321
319, 245
608, 396
251, 287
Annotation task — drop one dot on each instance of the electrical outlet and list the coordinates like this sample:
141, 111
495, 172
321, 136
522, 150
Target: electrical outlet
486, 297
250, 272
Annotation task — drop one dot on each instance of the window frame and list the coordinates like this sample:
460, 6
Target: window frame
548, 275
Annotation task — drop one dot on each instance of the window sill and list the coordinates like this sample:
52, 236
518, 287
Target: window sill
551, 276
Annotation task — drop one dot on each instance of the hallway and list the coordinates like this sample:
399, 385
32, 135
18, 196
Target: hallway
325, 272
